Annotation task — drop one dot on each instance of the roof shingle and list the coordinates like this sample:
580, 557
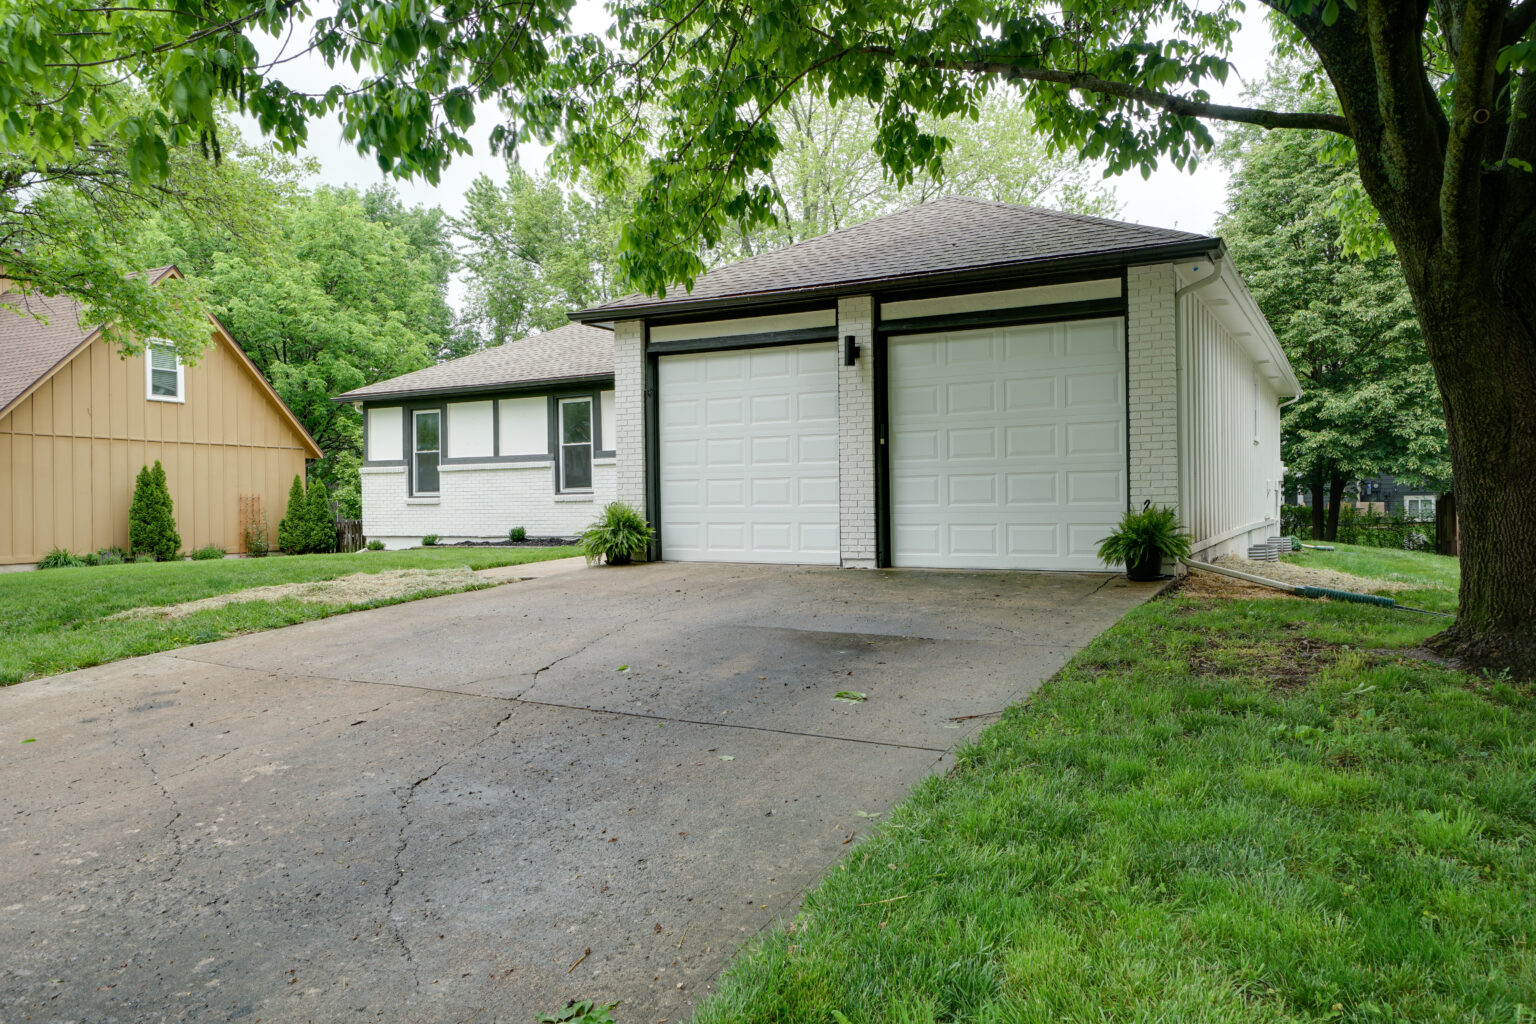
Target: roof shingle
36, 340
949, 235
573, 351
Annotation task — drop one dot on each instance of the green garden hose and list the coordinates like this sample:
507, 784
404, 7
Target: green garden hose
1300, 591
1344, 595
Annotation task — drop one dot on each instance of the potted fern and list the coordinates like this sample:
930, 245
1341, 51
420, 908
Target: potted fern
1144, 540
616, 536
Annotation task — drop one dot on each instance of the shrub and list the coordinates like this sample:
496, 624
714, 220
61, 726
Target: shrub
90, 558
516, 534
319, 524
616, 536
290, 528
375, 545
1296, 520
60, 558
151, 517
111, 556
253, 528
208, 553
144, 556
429, 540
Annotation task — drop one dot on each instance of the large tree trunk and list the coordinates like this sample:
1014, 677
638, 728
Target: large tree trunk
1484, 355
1335, 501
1319, 508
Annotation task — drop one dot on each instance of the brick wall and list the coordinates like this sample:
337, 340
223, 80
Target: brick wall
1153, 384
629, 410
481, 503
856, 433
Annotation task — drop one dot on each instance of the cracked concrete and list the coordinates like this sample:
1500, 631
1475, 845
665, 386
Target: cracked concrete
431, 811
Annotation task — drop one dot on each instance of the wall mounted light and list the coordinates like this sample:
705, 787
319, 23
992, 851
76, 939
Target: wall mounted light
850, 350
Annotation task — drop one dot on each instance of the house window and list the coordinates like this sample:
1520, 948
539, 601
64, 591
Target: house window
1419, 506
576, 444
426, 445
164, 375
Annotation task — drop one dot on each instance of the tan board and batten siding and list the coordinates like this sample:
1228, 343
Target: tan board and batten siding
71, 449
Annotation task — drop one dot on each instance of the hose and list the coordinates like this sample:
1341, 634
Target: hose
1301, 591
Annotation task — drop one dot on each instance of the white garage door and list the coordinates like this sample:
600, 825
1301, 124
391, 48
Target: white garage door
749, 455
1007, 445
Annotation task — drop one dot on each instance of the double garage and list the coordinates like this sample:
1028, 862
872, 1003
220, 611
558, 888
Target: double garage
1002, 446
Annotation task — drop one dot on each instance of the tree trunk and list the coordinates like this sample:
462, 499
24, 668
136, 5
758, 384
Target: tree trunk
1335, 500
1484, 356
1319, 509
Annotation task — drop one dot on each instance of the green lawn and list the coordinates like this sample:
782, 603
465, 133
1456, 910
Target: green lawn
1220, 811
54, 620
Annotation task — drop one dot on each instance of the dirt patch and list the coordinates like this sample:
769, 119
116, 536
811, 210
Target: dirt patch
1306, 576
358, 588
1196, 584
1287, 667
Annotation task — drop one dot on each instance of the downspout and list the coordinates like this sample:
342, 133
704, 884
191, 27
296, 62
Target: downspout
1181, 371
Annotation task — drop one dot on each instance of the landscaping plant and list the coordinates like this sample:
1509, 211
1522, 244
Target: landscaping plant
1144, 540
290, 528
517, 534
429, 540
59, 558
375, 545
208, 553
319, 524
616, 536
151, 517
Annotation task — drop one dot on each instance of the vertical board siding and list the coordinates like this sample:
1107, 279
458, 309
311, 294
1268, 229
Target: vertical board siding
1230, 482
71, 450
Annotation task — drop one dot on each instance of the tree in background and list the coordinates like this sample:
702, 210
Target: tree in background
829, 174
1345, 319
533, 251
151, 516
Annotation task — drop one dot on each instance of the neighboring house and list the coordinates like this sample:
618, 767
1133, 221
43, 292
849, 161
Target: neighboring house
78, 421
963, 384
517, 435
1388, 495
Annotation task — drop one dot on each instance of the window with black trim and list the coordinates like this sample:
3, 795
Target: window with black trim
576, 444
426, 448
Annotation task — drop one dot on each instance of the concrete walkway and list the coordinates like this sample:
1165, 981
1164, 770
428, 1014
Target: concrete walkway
593, 784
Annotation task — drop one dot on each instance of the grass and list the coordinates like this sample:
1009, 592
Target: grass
1434, 577
56, 620
1219, 811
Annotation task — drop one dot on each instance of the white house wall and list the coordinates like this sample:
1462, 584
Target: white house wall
1230, 436
471, 434
385, 434
481, 502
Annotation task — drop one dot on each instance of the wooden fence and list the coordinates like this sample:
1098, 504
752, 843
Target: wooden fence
349, 534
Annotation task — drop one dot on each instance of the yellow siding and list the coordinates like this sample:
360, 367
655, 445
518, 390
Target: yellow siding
70, 451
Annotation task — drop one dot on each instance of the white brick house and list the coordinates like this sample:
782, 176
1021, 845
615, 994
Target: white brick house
962, 384
519, 435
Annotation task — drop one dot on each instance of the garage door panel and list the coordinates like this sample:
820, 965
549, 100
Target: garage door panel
1042, 481
766, 487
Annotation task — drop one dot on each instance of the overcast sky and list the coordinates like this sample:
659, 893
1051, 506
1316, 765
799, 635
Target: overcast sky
1170, 198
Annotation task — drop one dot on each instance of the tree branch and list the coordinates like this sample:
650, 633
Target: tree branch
1184, 107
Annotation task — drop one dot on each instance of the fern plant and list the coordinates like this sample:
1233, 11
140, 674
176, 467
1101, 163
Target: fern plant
1144, 539
616, 536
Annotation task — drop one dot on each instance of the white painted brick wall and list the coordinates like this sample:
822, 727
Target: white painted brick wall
629, 410
481, 503
1153, 385
856, 433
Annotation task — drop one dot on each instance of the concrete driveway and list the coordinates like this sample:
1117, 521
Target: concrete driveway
469, 809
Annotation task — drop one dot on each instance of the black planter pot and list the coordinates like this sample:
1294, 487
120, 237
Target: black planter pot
620, 559
1148, 567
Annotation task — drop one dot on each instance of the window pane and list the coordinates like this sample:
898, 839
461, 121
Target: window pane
576, 421
426, 473
162, 358
162, 382
576, 466
426, 432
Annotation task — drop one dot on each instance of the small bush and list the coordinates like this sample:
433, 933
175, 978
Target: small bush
151, 517
516, 534
144, 556
616, 536
319, 523
60, 558
375, 545
90, 558
1296, 520
208, 553
290, 528
429, 540
111, 556
253, 533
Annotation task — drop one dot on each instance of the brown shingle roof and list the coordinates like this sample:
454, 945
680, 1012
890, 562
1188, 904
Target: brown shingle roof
947, 236
30, 347
571, 352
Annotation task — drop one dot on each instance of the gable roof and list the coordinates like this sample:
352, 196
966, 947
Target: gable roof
572, 352
31, 351
952, 236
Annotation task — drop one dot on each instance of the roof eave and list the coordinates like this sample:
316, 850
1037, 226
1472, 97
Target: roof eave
1086, 262
510, 387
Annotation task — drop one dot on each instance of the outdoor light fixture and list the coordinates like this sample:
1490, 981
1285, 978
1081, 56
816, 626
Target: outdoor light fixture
850, 350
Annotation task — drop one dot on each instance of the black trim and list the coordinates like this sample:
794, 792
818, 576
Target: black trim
1054, 313
523, 389
879, 352
763, 339
1026, 273
650, 397
665, 320
410, 446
